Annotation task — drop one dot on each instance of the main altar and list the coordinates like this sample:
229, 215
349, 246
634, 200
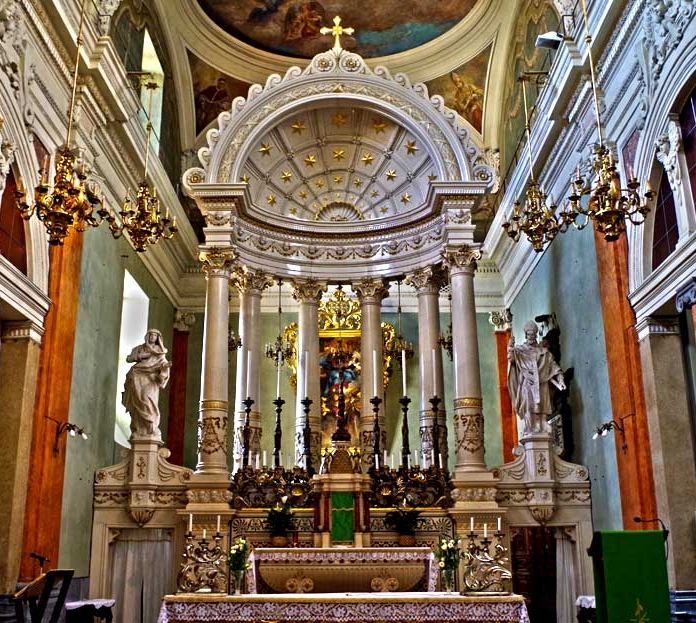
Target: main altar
342, 560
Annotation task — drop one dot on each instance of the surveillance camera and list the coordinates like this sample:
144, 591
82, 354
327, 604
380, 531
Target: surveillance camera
550, 40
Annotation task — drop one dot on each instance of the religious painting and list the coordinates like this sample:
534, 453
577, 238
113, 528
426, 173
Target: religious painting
463, 88
292, 27
213, 91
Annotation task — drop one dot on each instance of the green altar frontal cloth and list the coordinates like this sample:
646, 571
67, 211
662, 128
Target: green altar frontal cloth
630, 574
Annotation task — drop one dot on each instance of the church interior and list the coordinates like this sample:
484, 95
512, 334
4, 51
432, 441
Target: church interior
312, 303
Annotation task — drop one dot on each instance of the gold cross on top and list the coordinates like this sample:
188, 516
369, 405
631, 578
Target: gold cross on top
337, 30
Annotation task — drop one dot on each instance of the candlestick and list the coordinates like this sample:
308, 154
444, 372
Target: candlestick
217, 527
190, 522
403, 372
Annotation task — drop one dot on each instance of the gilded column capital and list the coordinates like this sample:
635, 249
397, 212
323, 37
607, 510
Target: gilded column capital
308, 290
217, 261
183, 321
371, 290
250, 280
465, 256
501, 320
431, 278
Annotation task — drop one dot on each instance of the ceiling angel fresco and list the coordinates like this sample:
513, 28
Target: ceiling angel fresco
291, 27
463, 88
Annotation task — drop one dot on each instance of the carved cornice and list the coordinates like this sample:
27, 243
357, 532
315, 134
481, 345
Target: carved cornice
430, 278
370, 290
308, 290
21, 330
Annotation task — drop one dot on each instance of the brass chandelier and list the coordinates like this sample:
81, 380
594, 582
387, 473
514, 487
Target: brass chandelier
535, 219
142, 217
279, 351
445, 339
609, 205
66, 204
399, 349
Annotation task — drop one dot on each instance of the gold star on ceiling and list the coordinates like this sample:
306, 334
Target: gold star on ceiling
319, 183
245, 178
339, 154
298, 127
379, 126
357, 182
310, 160
293, 210
411, 148
265, 149
367, 159
271, 200
303, 194
374, 194
391, 175
339, 120
405, 198
286, 176
384, 210
338, 179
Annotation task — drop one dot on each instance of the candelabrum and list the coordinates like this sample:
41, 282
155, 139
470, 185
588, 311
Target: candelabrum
246, 432
204, 565
278, 433
405, 448
413, 486
307, 436
485, 569
376, 432
265, 487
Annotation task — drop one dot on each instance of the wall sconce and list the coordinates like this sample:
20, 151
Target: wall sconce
72, 429
603, 430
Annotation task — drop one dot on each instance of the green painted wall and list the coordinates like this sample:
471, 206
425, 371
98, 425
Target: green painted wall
93, 388
565, 283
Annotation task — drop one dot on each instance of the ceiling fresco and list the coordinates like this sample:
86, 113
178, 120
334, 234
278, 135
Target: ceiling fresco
291, 27
463, 88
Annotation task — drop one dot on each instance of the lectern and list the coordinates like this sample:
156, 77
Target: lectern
38, 592
630, 576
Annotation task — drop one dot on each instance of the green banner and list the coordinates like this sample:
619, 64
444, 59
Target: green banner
342, 514
630, 574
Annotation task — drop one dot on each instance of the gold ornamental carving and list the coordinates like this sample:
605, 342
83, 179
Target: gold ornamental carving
465, 256
217, 261
215, 404
468, 402
212, 435
340, 312
433, 277
469, 432
371, 290
542, 514
308, 291
250, 280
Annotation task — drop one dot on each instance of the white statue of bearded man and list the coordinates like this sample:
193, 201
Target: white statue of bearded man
143, 383
531, 368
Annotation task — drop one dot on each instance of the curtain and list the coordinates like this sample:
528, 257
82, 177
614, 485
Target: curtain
141, 573
565, 577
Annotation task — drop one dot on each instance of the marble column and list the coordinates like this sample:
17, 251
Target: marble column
217, 264
468, 405
308, 293
502, 323
370, 292
19, 365
428, 282
176, 423
251, 284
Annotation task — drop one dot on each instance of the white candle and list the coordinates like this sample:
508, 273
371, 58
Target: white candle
498, 524
384, 458
485, 530
264, 459
278, 377
408, 461
376, 461
217, 528
204, 533
403, 372
439, 460
423, 461
415, 458
248, 374
471, 524
434, 375
304, 374
392, 460
432, 456
374, 368
257, 460
190, 522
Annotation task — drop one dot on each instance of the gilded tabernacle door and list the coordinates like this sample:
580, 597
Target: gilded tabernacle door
339, 361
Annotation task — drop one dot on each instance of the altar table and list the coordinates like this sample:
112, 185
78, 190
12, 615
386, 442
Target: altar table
343, 608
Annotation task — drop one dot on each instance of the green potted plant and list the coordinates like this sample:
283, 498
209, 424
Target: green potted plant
404, 522
279, 520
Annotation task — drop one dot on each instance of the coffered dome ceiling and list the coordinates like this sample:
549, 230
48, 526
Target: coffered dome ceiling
338, 163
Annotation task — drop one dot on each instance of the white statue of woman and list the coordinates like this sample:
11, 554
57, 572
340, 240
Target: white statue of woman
531, 367
143, 383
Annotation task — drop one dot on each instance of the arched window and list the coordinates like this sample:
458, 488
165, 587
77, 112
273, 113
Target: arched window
665, 230
687, 120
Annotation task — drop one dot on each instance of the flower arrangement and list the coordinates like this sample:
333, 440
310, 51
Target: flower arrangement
403, 520
279, 519
238, 557
447, 553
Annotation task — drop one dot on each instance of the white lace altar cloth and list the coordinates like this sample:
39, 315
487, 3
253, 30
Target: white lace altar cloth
343, 608
343, 570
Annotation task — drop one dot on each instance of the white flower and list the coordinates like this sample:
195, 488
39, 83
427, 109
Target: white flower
284, 499
441, 564
443, 545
